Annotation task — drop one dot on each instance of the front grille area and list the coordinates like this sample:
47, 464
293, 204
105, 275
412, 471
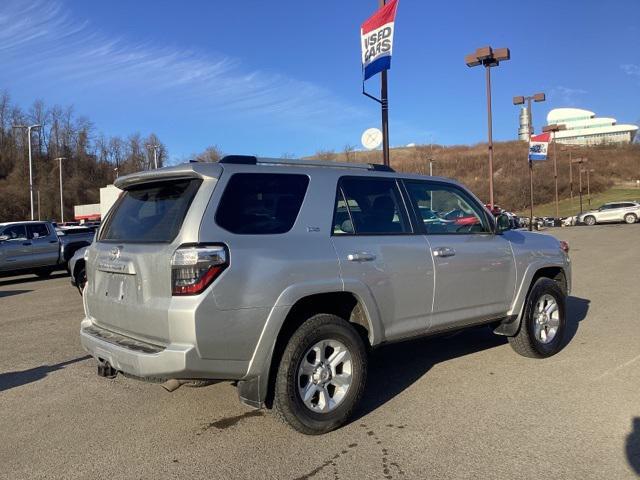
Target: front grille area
122, 341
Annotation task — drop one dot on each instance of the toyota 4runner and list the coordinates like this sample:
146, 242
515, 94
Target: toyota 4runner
281, 275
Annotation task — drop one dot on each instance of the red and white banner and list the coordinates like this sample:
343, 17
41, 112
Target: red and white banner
376, 37
538, 146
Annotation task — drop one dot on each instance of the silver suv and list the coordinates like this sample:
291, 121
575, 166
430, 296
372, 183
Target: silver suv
628, 212
281, 275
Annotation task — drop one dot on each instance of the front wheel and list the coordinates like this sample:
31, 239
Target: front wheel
630, 218
321, 376
590, 220
544, 323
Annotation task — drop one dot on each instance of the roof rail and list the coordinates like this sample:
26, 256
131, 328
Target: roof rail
252, 160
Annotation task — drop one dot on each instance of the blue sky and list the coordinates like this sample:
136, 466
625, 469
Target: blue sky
274, 78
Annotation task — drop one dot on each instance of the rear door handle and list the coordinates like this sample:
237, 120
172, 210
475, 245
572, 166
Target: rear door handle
443, 252
26, 244
361, 257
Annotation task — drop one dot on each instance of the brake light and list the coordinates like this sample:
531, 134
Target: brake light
564, 246
193, 269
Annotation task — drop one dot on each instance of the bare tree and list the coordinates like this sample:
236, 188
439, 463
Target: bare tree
209, 155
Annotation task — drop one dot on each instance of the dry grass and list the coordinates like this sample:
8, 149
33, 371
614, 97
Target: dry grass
469, 165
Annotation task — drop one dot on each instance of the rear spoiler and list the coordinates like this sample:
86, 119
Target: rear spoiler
184, 171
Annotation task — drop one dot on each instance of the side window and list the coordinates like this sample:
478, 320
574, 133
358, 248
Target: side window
446, 209
15, 232
261, 203
369, 206
38, 230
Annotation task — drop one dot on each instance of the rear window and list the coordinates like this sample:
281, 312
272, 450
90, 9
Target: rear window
151, 212
261, 203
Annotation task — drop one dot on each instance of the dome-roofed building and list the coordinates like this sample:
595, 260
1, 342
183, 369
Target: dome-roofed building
584, 128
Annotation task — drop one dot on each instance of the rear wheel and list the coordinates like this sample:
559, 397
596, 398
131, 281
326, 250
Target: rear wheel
630, 218
321, 376
590, 220
543, 325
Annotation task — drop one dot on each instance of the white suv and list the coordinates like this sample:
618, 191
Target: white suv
628, 212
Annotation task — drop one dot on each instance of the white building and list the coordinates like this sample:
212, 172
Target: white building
584, 128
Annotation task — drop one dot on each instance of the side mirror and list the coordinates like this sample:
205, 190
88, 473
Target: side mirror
503, 223
4, 238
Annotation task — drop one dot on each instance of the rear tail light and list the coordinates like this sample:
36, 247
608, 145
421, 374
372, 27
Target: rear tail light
193, 269
564, 246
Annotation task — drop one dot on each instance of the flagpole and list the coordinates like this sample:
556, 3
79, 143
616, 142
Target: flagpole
531, 195
385, 109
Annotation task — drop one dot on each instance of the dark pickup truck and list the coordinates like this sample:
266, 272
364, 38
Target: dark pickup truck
37, 247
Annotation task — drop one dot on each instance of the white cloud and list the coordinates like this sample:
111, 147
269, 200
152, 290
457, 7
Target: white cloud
566, 95
631, 69
40, 40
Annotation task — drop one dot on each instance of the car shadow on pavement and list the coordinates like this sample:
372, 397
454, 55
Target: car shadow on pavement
30, 278
10, 293
11, 380
632, 446
577, 309
394, 368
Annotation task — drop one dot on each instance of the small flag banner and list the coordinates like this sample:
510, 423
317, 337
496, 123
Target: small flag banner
538, 146
376, 35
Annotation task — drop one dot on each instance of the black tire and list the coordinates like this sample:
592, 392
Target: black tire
80, 278
43, 272
288, 404
590, 220
630, 218
525, 342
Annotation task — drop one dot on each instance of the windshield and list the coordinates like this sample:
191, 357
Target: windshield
151, 212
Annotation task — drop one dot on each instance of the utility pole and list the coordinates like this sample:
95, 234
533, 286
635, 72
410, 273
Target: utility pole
38, 204
61, 200
488, 57
29, 128
155, 153
580, 161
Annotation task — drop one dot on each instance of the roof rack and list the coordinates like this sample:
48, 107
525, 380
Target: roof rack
252, 160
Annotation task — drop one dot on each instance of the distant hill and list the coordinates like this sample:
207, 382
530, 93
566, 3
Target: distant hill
469, 165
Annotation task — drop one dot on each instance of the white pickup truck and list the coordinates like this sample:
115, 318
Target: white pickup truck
36, 247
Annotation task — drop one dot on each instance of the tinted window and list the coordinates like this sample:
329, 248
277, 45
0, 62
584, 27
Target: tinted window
151, 212
369, 206
445, 209
261, 203
15, 232
38, 230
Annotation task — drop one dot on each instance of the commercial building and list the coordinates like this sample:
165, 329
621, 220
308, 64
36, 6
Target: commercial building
584, 128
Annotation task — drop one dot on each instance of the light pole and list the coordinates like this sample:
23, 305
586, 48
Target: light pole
554, 128
488, 57
61, 200
29, 128
155, 153
589, 170
569, 148
580, 161
538, 97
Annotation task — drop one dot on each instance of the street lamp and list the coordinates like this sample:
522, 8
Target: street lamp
554, 128
488, 57
580, 161
538, 97
155, 153
29, 128
589, 170
61, 201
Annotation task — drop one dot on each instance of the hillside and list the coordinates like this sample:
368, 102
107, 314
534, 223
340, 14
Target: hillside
469, 164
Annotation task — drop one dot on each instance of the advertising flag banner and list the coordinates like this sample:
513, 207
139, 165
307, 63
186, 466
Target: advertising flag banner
376, 36
538, 146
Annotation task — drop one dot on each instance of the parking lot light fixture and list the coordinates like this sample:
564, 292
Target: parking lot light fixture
555, 128
29, 128
537, 97
61, 200
488, 57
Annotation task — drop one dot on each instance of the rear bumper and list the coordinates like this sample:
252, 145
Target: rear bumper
141, 359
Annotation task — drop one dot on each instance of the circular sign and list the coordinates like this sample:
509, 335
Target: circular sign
371, 138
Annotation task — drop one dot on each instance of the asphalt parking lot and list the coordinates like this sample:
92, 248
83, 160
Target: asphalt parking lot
462, 406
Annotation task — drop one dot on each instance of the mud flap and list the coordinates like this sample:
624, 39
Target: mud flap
251, 392
508, 327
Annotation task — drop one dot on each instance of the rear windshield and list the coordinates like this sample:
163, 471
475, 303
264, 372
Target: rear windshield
261, 203
151, 212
